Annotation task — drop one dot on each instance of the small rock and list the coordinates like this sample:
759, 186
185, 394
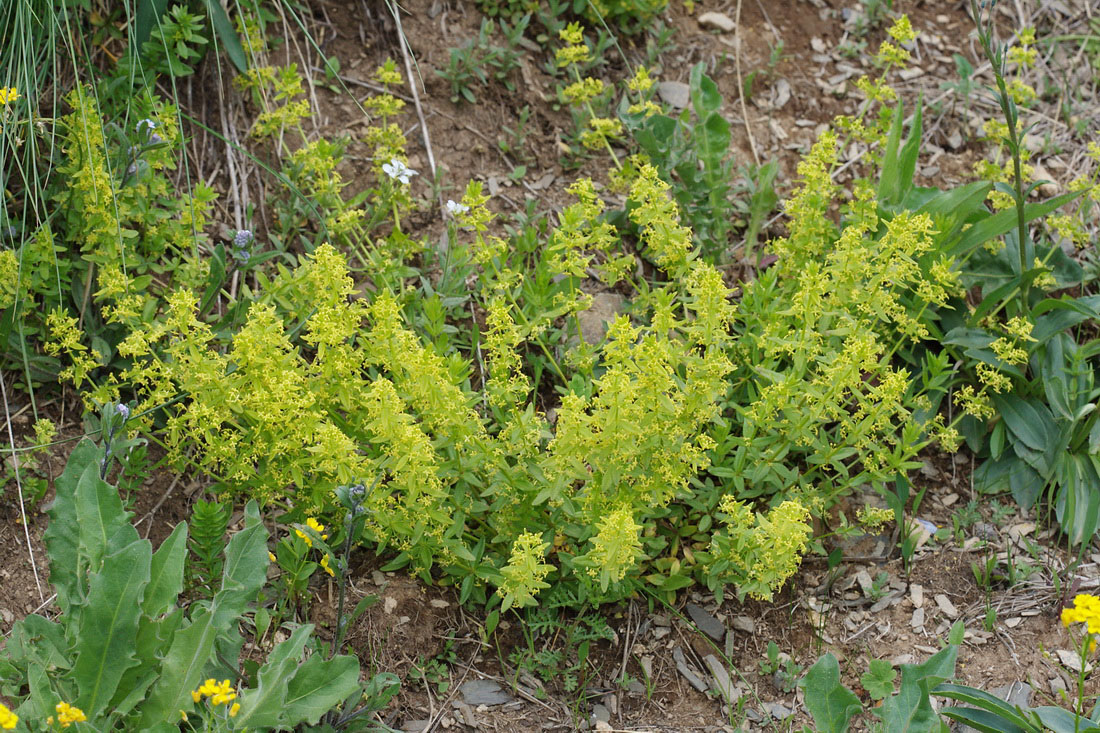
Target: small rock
646, 663
484, 692
723, 685
1017, 693
955, 140
911, 73
782, 94
865, 583
675, 94
659, 619
903, 659
891, 599
635, 687
389, 604
717, 21
818, 45
946, 606
949, 499
985, 531
917, 622
689, 674
1022, 529
943, 19
777, 710
1013, 622
439, 603
744, 623
600, 713
916, 594
707, 623
1057, 685
7, 616
1072, 660
593, 321
415, 726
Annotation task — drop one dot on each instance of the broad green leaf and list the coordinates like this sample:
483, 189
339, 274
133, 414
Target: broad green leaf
166, 573
713, 138
108, 625
910, 711
1077, 503
104, 523
319, 686
154, 638
889, 187
147, 17
1063, 721
62, 537
227, 34
831, 704
263, 705
181, 671
907, 160
1004, 221
705, 96
1028, 421
983, 721
981, 699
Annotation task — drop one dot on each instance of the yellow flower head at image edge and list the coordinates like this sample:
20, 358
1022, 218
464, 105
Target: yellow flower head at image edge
1086, 610
8, 94
8, 719
67, 715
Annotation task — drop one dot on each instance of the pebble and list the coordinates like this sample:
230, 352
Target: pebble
916, 594
706, 622
778, 710
744, 623
675, 94
717, 21
484, 692
723, 685
946, 606
917, 622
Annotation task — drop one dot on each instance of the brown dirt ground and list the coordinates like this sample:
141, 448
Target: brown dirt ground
819, 611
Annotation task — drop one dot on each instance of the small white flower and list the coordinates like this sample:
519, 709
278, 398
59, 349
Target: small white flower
455, 209
399, 171
146, 124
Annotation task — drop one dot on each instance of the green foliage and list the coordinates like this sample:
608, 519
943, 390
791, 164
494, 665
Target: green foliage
624, 16
479, 60
123, 651
833, 706
209, 524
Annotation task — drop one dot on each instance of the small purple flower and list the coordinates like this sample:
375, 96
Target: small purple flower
243, 238
124, 411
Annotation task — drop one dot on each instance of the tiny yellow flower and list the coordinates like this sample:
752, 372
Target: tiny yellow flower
325, 566
234, 710
8, 719
271, 556
8, 95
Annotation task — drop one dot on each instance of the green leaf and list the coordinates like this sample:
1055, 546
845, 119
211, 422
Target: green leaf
319, 686
166, 573
983, 721
146, 18
879, 679
227, 34
262, 706
910, 711
108, 625
705, 96
889, 186
62, 537
713, 139
1077, 503
1063, 721
980, 699
831, 704
104, 524
1029, 421
1002, 222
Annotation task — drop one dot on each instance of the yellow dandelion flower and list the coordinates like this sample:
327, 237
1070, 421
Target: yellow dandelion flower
8, 719
8, 95
1086, 610
68, 714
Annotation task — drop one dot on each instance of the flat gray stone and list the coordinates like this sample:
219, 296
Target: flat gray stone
717, 21
778, 710
600, 712
723, 685
707, 623
484, 692
675, 94
689, 674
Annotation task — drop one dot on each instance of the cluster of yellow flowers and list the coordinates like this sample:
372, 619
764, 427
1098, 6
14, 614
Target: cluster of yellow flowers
8, 95
1085, 610
220, 693
67, 715
316, 527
